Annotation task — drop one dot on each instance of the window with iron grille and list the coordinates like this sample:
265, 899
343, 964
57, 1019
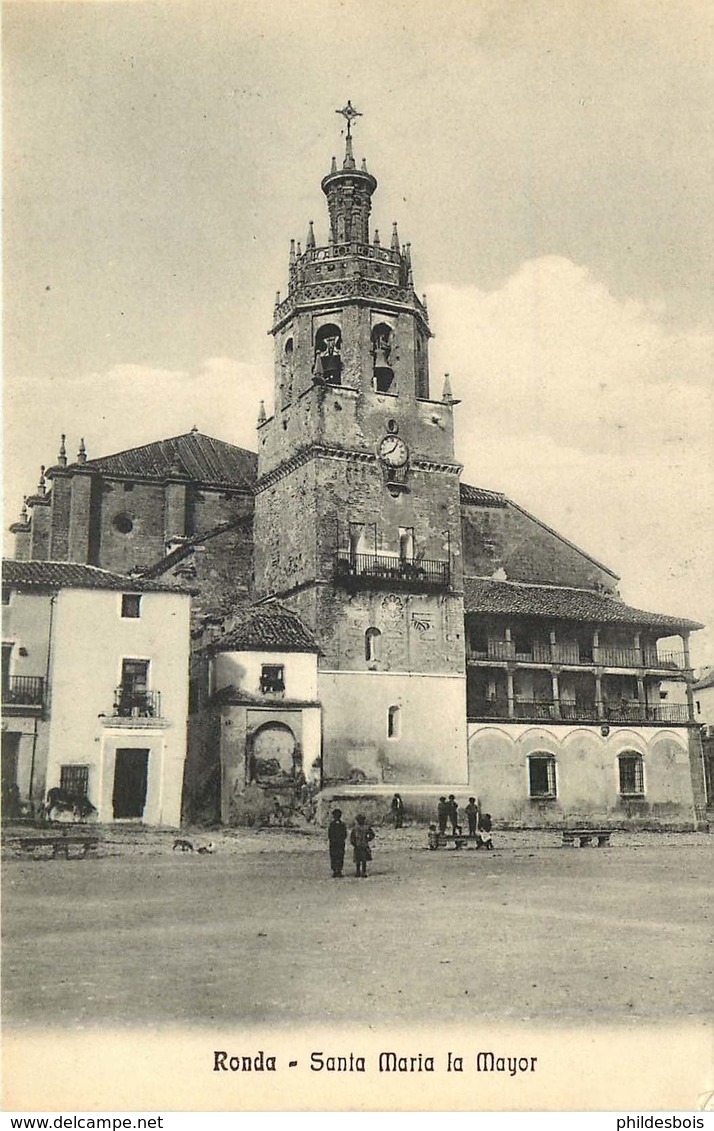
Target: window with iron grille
632, 776
272, 679
541, 775
131, 604
74, 780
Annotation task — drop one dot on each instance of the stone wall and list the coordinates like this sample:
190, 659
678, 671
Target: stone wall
506, 538
587, 774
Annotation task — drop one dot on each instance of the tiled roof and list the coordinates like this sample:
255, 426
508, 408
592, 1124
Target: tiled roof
74, 575
478, 497
269, 628
481, 595
201, 458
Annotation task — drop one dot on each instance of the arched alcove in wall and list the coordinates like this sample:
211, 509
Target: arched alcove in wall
273, 752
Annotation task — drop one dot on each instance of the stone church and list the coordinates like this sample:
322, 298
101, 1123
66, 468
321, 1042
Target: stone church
364, 621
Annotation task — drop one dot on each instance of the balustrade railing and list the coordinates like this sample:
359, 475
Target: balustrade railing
24, 690
343, 250
676, 660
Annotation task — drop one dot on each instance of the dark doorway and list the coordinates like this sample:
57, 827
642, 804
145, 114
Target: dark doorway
708, 779
10, 791
130, 778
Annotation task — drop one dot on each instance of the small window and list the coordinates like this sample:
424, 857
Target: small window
128, 486
394, 722
699, 707
632, 776
131, 605
371, 645
123, 523
74, 780
541, 775
272, 679
6, 594
406, 544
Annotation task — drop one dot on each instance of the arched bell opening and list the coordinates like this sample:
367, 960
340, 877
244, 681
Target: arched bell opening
383, 373
327, 366
288, 360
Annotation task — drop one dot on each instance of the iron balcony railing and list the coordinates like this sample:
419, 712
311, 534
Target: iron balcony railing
627, 712
577, 712
534, 709
24, 691
488, 708
634, 712
368, 569
130, 703
571, 652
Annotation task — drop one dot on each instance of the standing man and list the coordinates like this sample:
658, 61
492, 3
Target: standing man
471, 811
442, 814
397, 811
336, 837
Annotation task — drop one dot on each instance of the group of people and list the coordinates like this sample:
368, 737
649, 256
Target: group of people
447, 812
361, 835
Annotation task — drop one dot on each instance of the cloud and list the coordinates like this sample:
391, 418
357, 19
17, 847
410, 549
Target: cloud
126, 405
595, 414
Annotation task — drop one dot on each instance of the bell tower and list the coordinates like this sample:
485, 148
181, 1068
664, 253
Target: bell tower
357, 514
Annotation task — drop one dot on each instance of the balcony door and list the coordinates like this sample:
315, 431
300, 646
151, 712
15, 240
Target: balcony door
131, 773
134, 686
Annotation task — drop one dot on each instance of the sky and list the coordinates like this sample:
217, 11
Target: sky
551, 162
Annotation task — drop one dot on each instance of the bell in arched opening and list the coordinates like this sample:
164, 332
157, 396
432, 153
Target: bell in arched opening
328, 360
381, 351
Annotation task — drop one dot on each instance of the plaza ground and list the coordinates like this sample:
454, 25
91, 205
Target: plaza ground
259, 932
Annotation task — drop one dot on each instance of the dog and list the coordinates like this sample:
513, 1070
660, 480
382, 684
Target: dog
207, 849
182, 846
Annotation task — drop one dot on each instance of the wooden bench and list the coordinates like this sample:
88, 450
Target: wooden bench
440, 840
60, 846
586, 836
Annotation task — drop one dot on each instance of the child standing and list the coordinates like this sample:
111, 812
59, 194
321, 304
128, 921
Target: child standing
360, 837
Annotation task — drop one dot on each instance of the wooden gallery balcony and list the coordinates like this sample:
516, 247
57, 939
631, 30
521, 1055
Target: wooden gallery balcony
574, 654
520, 710
386, 571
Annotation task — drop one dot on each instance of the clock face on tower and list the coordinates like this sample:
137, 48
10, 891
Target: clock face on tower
393, 451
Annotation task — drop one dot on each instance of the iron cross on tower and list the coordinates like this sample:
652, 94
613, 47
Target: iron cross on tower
349, 113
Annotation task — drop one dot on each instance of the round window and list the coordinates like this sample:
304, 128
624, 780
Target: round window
123, 523
392, 427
